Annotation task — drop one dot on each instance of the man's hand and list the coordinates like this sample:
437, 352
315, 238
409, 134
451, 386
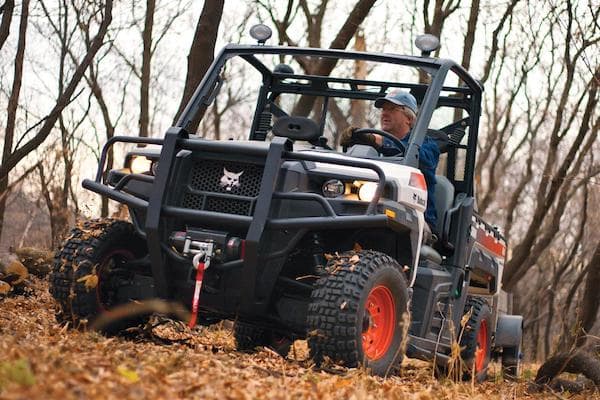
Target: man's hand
348, 139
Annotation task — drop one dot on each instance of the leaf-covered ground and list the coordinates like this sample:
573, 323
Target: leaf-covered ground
41, 359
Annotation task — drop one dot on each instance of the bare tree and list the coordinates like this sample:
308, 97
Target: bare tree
442, 9
153, 27
11, 157
325, 66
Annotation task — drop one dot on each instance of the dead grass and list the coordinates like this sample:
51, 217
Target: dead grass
40, 359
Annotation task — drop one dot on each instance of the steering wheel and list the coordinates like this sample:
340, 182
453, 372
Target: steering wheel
360, 135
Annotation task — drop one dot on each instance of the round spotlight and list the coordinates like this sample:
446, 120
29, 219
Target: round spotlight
333, 188
260, 33
427, 43
367, 191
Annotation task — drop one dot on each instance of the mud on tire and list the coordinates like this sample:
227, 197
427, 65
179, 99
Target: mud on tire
83, 268
358, 313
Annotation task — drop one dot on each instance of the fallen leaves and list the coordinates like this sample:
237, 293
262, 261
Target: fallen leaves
60, 363
336, 262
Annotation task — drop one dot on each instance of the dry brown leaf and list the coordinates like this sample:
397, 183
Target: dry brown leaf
5, 288
14, 273
90, 281
465, 318
130, 375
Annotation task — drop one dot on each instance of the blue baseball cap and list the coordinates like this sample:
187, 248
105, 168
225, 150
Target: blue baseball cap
400, 98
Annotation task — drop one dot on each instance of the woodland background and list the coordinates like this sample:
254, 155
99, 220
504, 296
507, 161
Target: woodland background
73, 73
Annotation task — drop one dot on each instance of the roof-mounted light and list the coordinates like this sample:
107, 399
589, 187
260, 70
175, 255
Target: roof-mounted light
261, 33
427, 43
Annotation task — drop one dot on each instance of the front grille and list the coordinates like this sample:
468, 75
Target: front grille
192, 200
228, 206
229, 187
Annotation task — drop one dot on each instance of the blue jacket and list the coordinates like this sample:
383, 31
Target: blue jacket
429, 156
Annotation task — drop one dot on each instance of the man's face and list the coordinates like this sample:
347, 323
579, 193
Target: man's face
394, 121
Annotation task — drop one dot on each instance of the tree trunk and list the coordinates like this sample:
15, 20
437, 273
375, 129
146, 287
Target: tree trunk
200, 56
357, 107
145, 77
7, 11
13, 103
591, 298
468, 48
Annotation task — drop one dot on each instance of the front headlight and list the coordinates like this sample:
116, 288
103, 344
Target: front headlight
366, 192
140, 164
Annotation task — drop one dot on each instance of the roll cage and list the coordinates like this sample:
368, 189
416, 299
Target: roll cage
430, 95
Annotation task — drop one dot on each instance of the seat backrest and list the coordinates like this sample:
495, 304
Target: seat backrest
444, 198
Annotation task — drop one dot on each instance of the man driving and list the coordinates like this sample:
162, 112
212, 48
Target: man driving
398, 116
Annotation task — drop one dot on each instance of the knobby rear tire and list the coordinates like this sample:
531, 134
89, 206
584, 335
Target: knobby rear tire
476, 339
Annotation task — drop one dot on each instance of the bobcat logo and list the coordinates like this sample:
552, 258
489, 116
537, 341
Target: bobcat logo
230, 180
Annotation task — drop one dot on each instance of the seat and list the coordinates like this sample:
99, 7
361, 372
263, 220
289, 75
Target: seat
444, 198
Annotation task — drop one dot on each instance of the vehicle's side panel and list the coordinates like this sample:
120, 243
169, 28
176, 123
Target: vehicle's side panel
486, 261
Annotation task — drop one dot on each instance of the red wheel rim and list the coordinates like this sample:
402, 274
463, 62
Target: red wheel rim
380, 322
482, 346
122, 254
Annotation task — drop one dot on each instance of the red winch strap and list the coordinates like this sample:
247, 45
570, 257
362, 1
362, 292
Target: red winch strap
199, 277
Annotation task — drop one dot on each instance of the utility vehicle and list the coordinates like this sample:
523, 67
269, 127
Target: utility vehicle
291, 238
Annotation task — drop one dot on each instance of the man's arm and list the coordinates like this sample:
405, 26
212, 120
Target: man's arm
429, 154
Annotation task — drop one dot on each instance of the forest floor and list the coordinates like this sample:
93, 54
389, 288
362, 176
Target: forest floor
42, 359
